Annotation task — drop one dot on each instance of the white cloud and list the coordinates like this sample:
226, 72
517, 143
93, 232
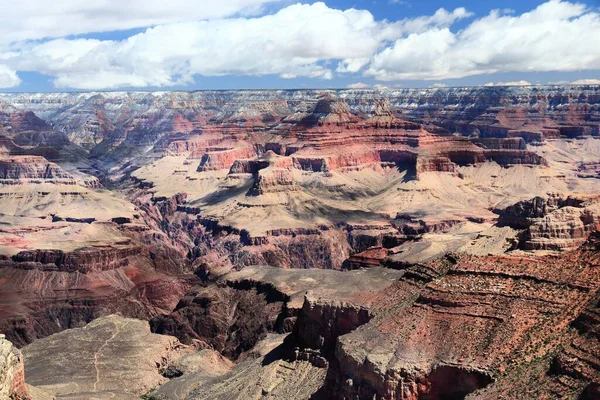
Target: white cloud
36, 19
221, 38
8, 77
556, 36
284, 44
586, 82
358, 85
513, 83
439, 85
379, 86
441, 19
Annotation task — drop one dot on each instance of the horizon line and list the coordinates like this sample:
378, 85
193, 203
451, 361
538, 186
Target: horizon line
366, 89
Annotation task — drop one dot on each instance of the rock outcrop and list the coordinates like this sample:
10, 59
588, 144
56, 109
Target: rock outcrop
224, 319
245, 306
265, 375
554, 222
420, 344
190, 372
12, 374
112, 357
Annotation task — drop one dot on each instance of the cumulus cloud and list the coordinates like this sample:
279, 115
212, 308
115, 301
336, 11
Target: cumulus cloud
283, 44
513, 83
36, 19
556, 36
185, 39
358, 85
439, 85
586, 82
441, 19
8, 77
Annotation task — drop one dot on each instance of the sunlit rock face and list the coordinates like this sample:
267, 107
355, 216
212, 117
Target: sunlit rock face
12, 376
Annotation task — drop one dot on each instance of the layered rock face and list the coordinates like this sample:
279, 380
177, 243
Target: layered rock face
462, 326
12, 375
398, 239
32, 168
36, 302
553, 223
71, 251
78, 260
530, 112
292, 188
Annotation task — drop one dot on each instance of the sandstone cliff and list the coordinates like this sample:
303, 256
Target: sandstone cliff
12, 375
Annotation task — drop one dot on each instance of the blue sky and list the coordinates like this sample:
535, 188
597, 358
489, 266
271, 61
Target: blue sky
269, 44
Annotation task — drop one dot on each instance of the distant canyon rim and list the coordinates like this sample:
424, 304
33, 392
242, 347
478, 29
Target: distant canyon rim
411, 244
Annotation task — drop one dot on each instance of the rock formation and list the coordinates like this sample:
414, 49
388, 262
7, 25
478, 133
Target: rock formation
112, 357
394, 244
553, 223
12, 375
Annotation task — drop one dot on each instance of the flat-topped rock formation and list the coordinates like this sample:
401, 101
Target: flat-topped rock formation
112, 357
31, 168
233, 316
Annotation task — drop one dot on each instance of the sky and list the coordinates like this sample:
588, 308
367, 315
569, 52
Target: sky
67, 45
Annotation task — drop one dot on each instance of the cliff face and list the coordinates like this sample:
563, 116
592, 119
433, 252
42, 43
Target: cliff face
12, 374
126, 120
70, 251
553, 223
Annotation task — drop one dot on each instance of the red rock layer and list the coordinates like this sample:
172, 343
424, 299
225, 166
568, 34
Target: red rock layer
223, 158
457, 326
30, 167
332, 138
372, 257
35, 303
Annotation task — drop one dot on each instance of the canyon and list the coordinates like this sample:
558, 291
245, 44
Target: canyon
354, 244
